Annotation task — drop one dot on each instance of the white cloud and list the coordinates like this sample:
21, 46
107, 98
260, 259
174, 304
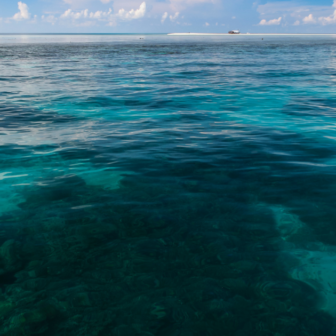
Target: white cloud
174, 17
100, 15
307, 14
84, 14
133, 14
23, 13
296, 23
164, 17
105, 1
105, 16
273, 22
328, 19
331, 19
207, 24
75, 15
309, 19
66, 14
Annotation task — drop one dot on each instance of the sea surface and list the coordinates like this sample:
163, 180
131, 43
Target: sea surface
156, 185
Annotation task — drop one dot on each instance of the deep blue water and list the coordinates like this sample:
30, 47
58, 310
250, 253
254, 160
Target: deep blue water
168, 186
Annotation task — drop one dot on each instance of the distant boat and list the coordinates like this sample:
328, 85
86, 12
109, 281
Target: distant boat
234, 32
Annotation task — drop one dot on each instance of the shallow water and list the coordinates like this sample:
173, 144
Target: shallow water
169, 186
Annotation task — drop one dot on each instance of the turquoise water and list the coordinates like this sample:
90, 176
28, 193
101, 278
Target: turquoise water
167, 186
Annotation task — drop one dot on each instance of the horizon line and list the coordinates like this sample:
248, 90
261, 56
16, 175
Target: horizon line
166, 33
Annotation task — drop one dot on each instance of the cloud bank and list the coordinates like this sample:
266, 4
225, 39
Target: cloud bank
164, 17
174, 17
302, 15
309, 19
23, 13
296, 12
273, 22
108, 16
133, 14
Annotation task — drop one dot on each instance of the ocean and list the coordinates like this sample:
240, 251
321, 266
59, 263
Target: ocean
156, 185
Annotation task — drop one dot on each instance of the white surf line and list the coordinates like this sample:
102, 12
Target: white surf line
226, 34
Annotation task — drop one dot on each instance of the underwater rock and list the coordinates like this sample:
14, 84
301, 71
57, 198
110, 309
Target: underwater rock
35, 284
183, 332
182, 314
237, 286
321, 323
95, 233
44, 311
143, 264
271, 324
107, 296
17, 322
289, 290
216, 308
54, 224
57, 268
284, 324
218, 272
36, 269
142, 282
10, 260
318, 270
82, 299
52, 189
144, 314
124, 330
239, 304
287, 223
202, 290
10, 202
276, 306
154, 248
6, 306
32, 321
244, 265
106, 179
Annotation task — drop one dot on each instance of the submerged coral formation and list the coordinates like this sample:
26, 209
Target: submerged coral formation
141, 262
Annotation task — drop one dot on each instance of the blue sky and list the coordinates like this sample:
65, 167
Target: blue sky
160, 16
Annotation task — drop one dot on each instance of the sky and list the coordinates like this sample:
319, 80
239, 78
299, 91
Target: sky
164, 16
